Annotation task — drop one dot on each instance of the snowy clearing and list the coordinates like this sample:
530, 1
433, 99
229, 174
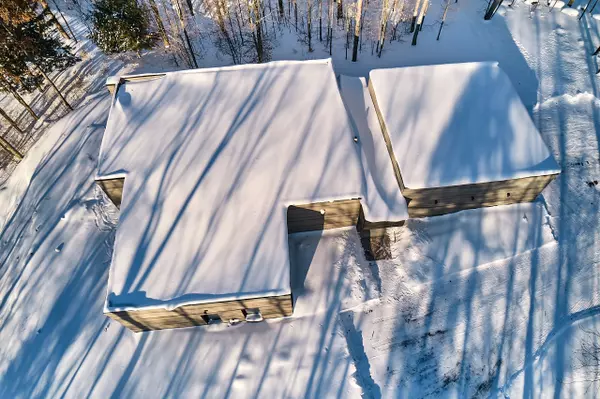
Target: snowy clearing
493, 302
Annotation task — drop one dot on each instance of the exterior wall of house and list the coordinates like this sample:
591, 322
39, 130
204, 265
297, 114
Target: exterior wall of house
442, 200
113, 188
196, 314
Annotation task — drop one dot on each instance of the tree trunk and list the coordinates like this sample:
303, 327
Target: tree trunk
178, 41
426, 6
233, 37
383, 27
11, 121
309, 25
272, 20
239, 18
12, 150
20, 99
418, 24
53, 19
258, 31
223, 28
330, 25
396, 12
413, 22
329, 13
362, 25
347, 35
281, 10
189, 44
64, 100
357, 18
159, 23
264, 19
320, 20
295, 14
190, 6
24, 104
443, 19
65, 20
585, 9
166, 11
185, 34
492, 9
340, 9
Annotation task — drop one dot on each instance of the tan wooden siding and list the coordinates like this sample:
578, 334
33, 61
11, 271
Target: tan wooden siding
323, 215
113, 188
191, 315
442, 200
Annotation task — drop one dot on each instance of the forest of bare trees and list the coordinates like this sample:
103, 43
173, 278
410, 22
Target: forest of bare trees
248, 30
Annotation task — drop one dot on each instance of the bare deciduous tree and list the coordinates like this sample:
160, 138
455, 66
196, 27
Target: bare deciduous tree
443, 18
11, 121
159, 23
357, 17
53, 19
11, 149
419, 22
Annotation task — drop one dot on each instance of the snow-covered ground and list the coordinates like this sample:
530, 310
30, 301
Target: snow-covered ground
496, 302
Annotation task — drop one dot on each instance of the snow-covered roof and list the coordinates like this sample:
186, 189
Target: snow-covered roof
383, 198
212, 159
458, 124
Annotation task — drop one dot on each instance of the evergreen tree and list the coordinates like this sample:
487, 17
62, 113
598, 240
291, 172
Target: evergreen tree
13, 12
28, 50
120, 25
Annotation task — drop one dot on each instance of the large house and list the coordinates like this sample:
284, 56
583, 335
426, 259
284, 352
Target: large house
213, 168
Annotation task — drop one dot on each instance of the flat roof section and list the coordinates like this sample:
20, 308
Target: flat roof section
212, 159
458, 124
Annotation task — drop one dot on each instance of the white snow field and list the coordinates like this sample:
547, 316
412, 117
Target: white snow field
482, 303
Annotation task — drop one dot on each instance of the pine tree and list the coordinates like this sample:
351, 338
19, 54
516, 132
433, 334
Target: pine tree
29, 52
120, 25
